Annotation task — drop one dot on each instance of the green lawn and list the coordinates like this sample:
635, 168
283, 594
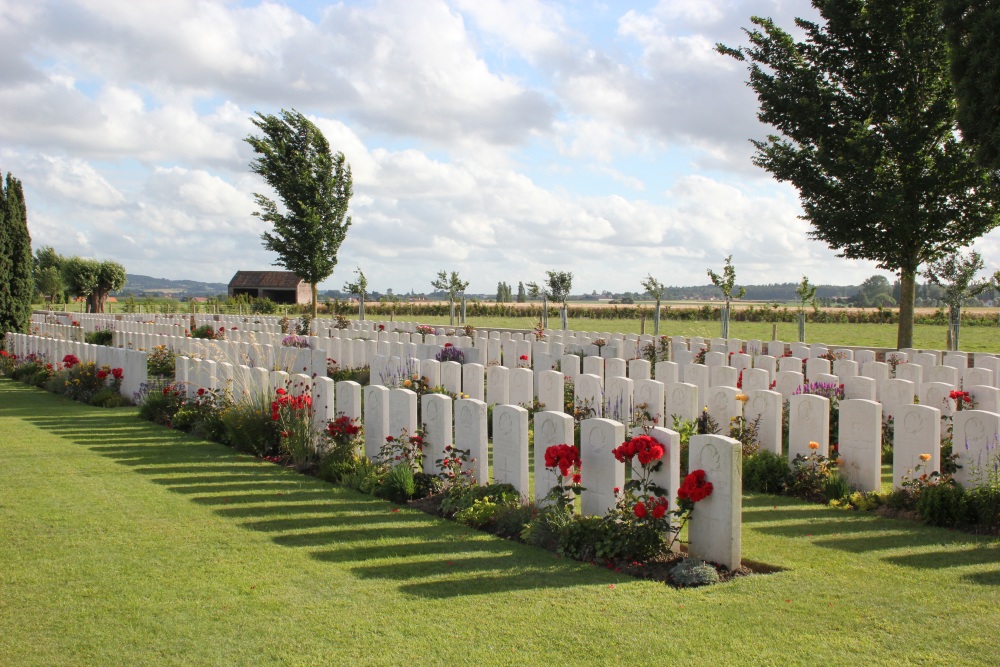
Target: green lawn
122, 543
925, 336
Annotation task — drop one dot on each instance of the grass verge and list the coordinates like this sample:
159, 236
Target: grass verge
127, 544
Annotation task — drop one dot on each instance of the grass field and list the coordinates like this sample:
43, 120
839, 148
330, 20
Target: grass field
973, 338
128, 544
925, 336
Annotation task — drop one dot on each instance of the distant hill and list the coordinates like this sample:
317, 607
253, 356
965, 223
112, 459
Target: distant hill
143, 285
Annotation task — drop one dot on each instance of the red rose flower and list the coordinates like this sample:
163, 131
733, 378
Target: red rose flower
577, 478
640, 510
659, 511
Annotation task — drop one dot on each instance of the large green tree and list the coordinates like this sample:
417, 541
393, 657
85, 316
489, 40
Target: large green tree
314, 185
92, 279
867, 133
974, 39
48, 273
17, 285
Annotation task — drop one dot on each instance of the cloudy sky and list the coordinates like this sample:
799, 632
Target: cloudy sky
498, 138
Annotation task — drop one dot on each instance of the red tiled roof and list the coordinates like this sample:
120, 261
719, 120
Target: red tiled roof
265, 279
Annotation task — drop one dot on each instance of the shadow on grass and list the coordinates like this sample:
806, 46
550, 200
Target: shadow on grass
427, 556
865, 533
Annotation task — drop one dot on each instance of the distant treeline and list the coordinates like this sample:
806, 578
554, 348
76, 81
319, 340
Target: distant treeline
703, 313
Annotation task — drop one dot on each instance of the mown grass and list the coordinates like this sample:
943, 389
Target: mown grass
925, 336
128, 544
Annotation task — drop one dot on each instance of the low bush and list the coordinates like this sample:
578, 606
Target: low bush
765, 472
99, 337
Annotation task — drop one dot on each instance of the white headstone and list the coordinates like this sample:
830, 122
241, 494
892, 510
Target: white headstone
376, 419
471, 433
766, 405
976, 441
551, 428
436, 414
681, 400
808, 421
349, 399
715, 529
473, 379
917, 431
510, 447
860, 443
551, 390
602, 473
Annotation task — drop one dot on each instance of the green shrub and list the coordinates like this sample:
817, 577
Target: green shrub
364, 478
160, 362
546, 527
692, 572
426, 485
459, 498
398, 485
334, 469
765, 472
943, 505
160, 406
984, 507
480, 513
835, 487
108, 398
511, 520
579, 538
249, 428
99, 337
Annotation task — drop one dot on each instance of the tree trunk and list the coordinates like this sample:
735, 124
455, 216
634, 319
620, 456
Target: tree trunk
907, 296
315, 295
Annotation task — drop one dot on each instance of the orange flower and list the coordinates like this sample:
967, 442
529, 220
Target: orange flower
813, 445
742, 398
925, 457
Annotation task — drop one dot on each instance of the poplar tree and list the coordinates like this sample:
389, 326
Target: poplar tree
315, 187
17, 285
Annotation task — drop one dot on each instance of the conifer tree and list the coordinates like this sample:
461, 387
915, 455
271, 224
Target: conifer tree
17, 285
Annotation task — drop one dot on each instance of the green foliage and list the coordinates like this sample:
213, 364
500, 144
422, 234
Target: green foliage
835, 487
398, 484
460, 498
956, 274
691, 572
315, 188
811, 477
99, 337
556, 287
727, 281
92, 279
248, 427
866, 131
806, 293
974, 39
366, 477
943, 505
16, 263
984, 507
160, 362
765, 472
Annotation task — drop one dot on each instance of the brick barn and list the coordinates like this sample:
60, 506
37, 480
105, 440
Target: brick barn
279, 286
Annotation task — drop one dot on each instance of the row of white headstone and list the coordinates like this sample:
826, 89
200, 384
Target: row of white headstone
54, 350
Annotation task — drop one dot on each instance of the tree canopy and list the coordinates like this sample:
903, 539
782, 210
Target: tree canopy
865, 113
557, 286
974, 41
315, 188
727, 281
17, 285
92, 279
